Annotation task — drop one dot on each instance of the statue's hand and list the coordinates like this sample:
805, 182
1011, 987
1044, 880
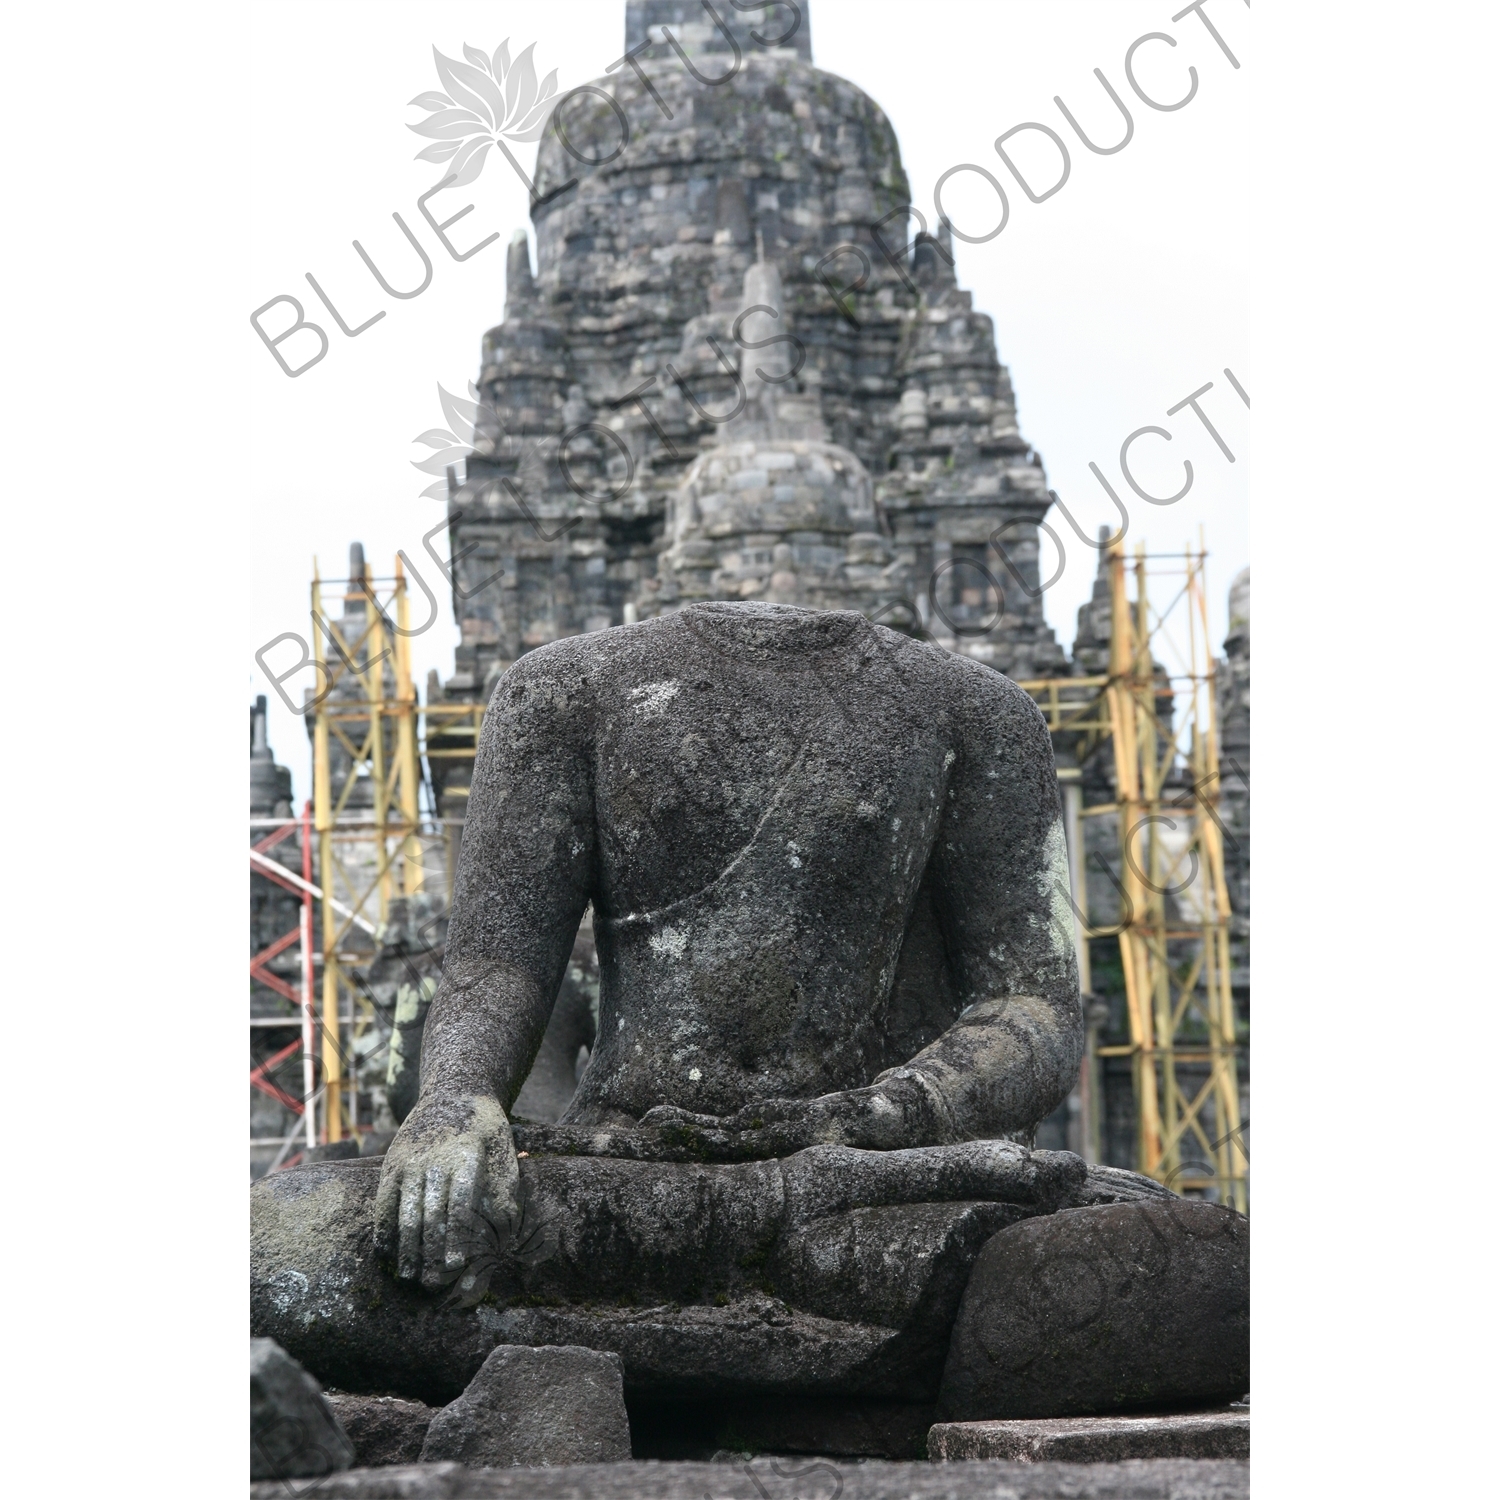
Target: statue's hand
886, 1116
773, 1129
449, 1194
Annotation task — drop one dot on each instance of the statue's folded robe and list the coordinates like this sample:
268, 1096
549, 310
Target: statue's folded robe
833, 1271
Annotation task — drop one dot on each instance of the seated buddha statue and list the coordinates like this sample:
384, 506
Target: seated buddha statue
829, 887
838, 991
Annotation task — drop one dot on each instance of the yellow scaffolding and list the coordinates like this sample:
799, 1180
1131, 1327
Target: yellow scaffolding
365, 705
450, 733
1173, 926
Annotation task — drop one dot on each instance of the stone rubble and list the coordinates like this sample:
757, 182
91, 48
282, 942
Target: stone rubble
536, 1407
293, 1431
383, 1429
1137, 1306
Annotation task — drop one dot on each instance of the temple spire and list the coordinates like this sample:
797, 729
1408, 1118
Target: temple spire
520, 285
788, 28
763, 370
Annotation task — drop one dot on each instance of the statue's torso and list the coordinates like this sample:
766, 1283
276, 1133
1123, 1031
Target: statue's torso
765, 809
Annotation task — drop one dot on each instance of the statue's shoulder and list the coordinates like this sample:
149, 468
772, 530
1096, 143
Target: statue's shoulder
958, 682
579, 665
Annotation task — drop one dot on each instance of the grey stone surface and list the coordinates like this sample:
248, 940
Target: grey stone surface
788, 27
293, 1431
1095, 1310
1198, 1434
559, 1404
316, 1286
774, 510
796, 1479
344, 1150
400, 980
706, 1278
383, 1429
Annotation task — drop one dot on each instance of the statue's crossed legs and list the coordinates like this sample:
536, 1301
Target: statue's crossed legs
833, 1269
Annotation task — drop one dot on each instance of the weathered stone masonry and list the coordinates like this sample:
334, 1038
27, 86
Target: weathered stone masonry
760, 191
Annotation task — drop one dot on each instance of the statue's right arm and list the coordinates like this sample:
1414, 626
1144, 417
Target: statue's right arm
449, 1187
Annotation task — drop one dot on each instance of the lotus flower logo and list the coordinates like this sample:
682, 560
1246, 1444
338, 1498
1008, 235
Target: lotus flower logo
490, 100
454, 443
474, 427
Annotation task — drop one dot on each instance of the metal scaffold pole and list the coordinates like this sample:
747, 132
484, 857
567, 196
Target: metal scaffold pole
323, 813
309, 1014
367, 781
408, 771
279, 872
1174, 913
1228, 1149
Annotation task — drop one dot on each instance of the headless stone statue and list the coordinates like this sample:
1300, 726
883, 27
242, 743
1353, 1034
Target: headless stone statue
830, 899
837, 992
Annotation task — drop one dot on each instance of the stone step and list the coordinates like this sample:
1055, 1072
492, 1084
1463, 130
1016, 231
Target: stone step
1223, 1433
767, 1478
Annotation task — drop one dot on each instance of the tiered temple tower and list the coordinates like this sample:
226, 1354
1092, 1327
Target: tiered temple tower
643, 444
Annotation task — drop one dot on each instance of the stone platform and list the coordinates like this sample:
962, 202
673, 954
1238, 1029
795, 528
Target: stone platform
773, 1479
1201, 1434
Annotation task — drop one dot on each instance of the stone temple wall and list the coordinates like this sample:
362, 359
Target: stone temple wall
618, 402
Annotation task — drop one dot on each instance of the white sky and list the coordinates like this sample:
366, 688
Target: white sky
1112, 300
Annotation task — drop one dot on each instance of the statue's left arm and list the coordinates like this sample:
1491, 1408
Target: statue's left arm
1000, 868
